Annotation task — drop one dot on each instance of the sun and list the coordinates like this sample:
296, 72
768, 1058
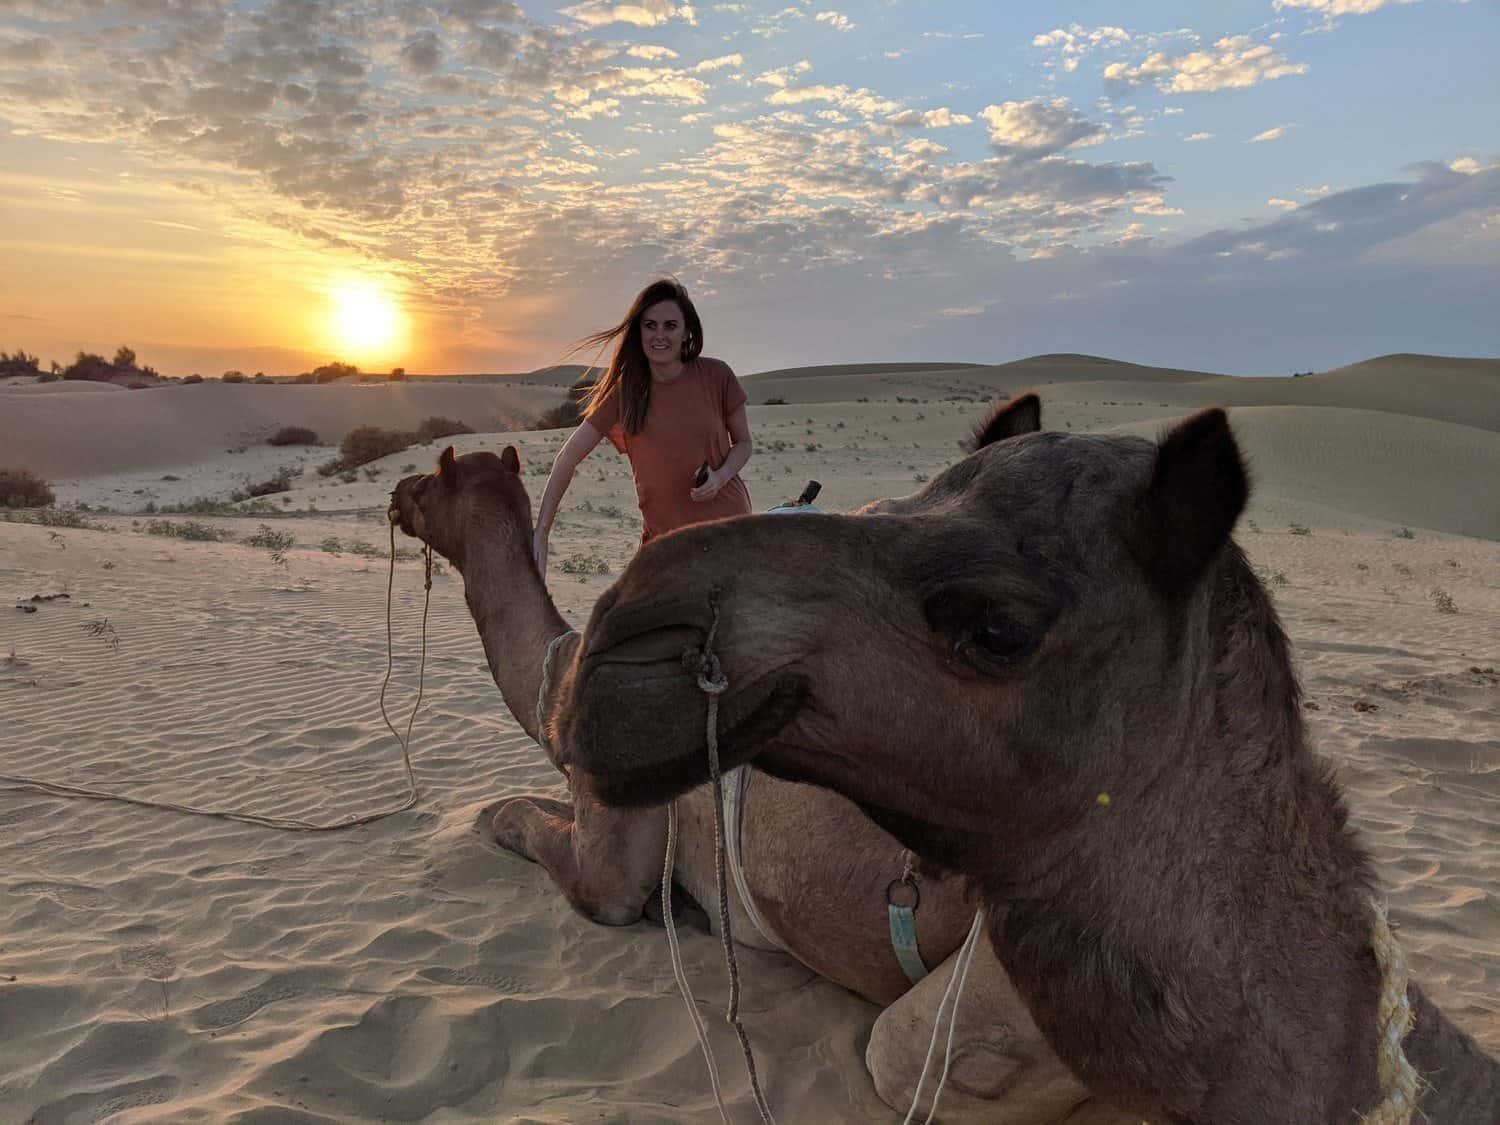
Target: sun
367, 321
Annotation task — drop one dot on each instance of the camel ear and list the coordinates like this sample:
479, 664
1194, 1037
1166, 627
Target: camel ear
446, 464
1198, 488
511, 459
1018, 416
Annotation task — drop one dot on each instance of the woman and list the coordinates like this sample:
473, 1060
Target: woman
669, 409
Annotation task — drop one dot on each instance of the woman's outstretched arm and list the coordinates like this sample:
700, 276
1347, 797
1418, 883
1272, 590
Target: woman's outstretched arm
578, 446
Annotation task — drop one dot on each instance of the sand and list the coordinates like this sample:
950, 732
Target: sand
160, 967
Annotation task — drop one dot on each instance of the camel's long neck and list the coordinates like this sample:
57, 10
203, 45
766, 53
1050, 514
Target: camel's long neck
514, 615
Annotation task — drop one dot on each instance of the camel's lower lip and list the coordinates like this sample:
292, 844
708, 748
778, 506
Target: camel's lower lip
745, 726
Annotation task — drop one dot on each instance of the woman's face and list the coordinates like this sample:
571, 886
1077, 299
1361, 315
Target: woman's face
661, 332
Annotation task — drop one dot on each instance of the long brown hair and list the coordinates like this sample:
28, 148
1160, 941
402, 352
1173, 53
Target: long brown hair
629, 371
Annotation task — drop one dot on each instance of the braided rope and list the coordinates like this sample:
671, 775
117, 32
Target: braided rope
1400, 1083
713, 683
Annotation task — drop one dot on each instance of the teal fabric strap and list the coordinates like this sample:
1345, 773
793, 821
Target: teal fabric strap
904, 941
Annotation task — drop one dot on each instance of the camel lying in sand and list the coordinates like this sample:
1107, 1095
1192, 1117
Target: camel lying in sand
817, 868
1053, 672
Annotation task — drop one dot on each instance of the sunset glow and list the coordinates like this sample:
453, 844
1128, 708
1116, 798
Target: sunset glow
367, 323
1263, 186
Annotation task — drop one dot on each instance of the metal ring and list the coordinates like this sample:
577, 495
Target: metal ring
897, 887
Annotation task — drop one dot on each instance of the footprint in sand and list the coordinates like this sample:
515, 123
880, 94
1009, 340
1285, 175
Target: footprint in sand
151, 960
101, 1105
226, 1013
483, 978
76, 895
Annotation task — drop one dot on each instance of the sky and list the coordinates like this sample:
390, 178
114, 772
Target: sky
1250, 186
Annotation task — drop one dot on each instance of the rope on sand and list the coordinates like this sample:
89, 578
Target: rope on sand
1400, 1083
282, 823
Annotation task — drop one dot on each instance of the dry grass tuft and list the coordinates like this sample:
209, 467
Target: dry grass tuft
21, 488
293, 435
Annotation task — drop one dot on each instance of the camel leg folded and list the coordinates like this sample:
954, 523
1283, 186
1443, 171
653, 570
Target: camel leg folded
606, 861
1002, 1071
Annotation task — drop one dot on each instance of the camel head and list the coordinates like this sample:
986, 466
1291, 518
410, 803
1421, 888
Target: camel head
973, 653
478, 493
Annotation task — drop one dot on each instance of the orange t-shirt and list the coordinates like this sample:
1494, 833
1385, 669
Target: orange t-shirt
687, 423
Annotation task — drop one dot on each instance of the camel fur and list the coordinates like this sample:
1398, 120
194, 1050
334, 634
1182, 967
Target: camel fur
1054, 673
816, 866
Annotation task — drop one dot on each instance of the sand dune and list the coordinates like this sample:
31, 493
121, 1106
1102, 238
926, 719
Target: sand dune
160, 967
182, 425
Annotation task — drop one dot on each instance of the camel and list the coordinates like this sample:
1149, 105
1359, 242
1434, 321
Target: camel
817, 868
1052, 672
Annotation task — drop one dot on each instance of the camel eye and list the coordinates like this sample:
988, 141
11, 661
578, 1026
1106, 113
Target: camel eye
979, 634
1002, 640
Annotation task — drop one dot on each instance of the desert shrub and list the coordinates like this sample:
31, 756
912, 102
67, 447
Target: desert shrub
188, 380
367, 443
293, 435
187, 529
1444, 601
584, 565
269, 538
88, 366
331, 372
281, 482
200, 506
65, 517
563, 416
397, 374
435, 427
21, 488
19, 364
776, 400
1406, 533
233, 377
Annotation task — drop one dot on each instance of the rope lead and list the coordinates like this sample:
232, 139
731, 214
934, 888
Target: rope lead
282, 823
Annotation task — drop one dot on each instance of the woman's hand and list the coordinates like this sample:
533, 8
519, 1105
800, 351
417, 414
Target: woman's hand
710, 487
539, 550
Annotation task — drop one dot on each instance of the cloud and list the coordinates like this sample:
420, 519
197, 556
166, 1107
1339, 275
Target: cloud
1075, 40
836, 20
23, 51
733, 62
859, 101
421, 54
651, 52
642, 13
784, 76
941, 118
1199, 137
1235, 63
1037, 127
1275, 133
1285, 204
1338, 7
